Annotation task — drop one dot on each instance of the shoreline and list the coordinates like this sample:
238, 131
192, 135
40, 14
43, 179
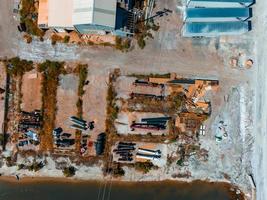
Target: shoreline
40, 179
232, 189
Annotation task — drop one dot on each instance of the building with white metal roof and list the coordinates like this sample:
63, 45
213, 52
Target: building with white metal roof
94, 15
60, 13
86, 16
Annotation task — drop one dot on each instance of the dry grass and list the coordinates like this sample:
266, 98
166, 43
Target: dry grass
51, 72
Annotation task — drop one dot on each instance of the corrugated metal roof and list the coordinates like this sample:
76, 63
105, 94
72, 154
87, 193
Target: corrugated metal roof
217, 12
60, 13
43, 12
82, 11
99, 12
215, 28
105, 12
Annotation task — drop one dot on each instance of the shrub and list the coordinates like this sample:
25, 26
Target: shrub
27, 16
141, 42
66, 39
55, 38
18, 67
144, 167
69, 171
122, 44
36, 166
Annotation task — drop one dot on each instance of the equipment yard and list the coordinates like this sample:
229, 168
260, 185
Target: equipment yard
161, 107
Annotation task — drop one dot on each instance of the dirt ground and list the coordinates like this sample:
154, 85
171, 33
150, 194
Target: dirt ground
94, 105
31, 91
2, 96
66, 103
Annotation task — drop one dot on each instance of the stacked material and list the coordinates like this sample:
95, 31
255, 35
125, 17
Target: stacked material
78, 124
148, 154
125, 151
100, 144
158, 123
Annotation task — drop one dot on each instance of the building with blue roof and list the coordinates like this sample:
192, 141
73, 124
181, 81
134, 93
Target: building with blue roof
220, 3
217, 14
213, 29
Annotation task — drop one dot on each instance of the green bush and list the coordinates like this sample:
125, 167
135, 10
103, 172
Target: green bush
36, 166
69, 171
27, 15
141, 42
18, 67
144, 167
66, 39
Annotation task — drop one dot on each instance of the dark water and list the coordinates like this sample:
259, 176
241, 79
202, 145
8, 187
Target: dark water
123, 191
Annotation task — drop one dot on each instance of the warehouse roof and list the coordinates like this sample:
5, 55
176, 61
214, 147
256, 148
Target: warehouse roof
99, 12
60, 13
217, 12
215, 28
43, 12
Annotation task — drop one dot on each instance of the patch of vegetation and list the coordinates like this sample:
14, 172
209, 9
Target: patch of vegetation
82, 71
29, 16
21, 166
122, 44
35, 166
69, 171
51, 71
27, 38
144, 167
116, 171
141, 41
9, 161
66, 39
2, 138
17, 67
180, 162
56, 38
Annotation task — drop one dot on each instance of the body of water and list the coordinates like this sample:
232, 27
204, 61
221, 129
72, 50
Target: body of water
169, 190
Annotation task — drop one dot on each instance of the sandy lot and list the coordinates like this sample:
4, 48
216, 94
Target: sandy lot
31, 91
66, 103
94, 105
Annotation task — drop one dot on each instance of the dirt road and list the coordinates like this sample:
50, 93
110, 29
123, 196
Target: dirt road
260, 130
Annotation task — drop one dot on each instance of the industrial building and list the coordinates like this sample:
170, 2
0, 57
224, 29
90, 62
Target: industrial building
219, 3
212, 18
213, 29
84, 16
217, 14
